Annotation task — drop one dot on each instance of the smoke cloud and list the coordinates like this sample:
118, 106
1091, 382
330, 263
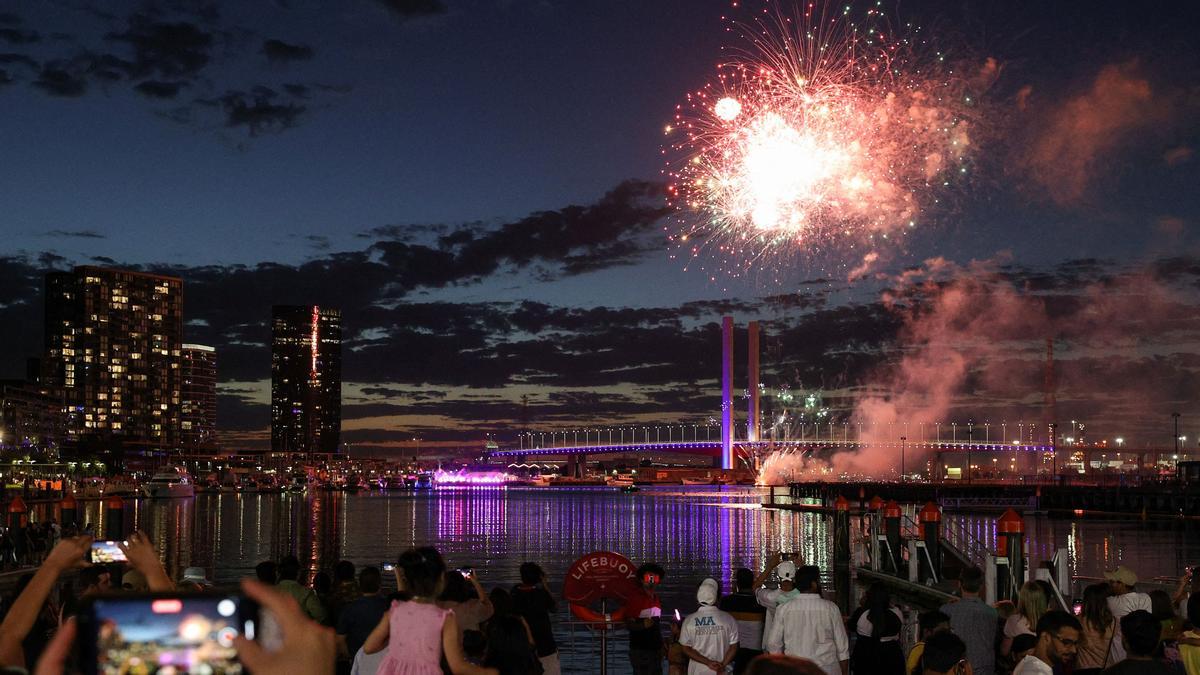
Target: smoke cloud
973, 347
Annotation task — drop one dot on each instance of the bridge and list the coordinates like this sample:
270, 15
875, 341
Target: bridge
923, 438
748, 448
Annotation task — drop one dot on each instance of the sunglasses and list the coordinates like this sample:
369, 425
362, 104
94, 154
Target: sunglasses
651, 578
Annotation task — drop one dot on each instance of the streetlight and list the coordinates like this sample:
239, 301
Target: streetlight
902, 440
970, 440
1175, 417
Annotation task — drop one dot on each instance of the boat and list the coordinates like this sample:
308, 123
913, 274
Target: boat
699, 481
630, 489
169, 484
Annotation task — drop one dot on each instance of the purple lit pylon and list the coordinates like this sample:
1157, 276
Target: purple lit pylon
752, 375
727, 392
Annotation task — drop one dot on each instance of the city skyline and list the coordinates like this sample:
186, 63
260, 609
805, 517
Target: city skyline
494, 235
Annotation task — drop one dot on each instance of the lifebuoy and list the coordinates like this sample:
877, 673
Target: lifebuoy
596, 620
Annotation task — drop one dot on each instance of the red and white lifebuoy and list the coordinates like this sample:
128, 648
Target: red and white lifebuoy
596, 620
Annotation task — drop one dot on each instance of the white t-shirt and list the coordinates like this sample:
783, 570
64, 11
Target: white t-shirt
810, 627
1120, 605
710, 632
1017, 625
767, 597
1032, 665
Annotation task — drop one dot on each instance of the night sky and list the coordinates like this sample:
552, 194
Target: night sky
478, 185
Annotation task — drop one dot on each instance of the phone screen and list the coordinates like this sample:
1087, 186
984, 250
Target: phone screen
104, 552
180, 633
388, 567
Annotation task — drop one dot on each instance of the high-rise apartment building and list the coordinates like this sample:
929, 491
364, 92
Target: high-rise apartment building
113, 346
306, 379
198, 412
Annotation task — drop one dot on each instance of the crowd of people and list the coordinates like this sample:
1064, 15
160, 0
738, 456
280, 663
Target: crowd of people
788, 627
438, 620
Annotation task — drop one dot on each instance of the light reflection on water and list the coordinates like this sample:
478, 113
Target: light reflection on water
693, 533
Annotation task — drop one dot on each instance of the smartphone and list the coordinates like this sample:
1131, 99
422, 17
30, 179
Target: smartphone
787, 556
104, 552
388, 567
1077, 607
466, 571
160, 632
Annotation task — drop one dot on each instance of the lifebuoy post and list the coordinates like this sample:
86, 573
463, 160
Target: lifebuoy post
600, 576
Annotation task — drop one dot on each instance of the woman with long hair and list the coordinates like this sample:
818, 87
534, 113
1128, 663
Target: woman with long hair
417, 633
1031, 605
877, 648
1099, 631
508, 647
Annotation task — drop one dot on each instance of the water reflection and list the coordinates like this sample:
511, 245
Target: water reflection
693, 533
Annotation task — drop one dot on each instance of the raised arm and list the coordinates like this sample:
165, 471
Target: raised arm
772, 563
68, 555
378, 638
143, 558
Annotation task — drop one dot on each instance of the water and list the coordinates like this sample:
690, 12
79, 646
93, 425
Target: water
692, 532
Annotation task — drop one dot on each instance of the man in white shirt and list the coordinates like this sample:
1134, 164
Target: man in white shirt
1058, 635
709, 637
771, 598
1124, 599
811, 627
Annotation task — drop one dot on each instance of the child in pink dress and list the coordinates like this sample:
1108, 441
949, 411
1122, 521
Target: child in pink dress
416, 632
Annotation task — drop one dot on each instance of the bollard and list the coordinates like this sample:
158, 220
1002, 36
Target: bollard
1010, 542
931, 525
18, 513
862, 498
114, 518
841, 553
891, 529
876, 503
68, 510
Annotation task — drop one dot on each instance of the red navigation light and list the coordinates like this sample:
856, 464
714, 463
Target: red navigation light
166, 606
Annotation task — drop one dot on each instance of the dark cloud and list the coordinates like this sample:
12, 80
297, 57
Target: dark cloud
10, 19
278, 51
261, 111
16, 36
165, 49
161, 90
82, 234
57, 79
162, 50
19, 59
411, 9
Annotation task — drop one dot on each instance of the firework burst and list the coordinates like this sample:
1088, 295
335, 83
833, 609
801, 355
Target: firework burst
818, 133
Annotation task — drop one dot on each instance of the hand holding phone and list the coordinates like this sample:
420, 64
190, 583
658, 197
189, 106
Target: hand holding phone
187, 632
467, 572
106, 552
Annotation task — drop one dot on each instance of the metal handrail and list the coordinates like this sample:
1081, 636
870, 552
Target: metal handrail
956, 535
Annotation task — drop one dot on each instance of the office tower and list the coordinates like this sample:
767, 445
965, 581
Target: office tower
306, 379
198, 412
113, 347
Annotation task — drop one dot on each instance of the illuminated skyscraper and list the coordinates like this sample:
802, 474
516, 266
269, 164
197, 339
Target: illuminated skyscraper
198, 414
113, 346
306, 379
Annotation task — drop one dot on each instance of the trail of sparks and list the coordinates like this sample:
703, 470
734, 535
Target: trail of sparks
819, 133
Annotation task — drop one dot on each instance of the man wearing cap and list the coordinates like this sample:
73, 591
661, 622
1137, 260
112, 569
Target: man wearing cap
771, 598
194, 578
709, 636
810, 626
1124, 599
